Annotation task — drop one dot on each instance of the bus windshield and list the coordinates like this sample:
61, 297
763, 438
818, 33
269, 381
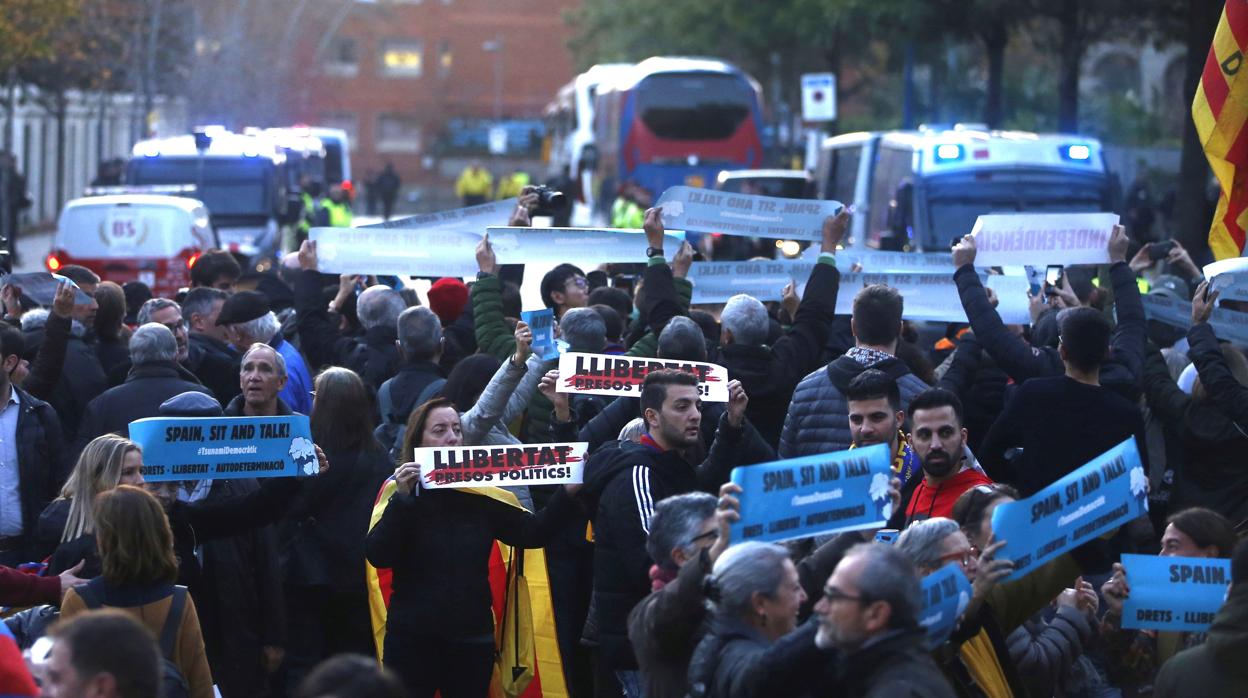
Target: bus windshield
694, 106
954, 201
228, 187
783, 187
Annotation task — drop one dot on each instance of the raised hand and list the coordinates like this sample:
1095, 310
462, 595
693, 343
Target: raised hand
486, 261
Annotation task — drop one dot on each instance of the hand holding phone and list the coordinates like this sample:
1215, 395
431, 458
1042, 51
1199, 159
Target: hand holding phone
1160, 250
1054, 278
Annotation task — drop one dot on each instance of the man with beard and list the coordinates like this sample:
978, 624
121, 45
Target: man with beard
876, 417
949, 468
623, 481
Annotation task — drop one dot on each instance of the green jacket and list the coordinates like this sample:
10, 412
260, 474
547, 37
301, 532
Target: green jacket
496, 338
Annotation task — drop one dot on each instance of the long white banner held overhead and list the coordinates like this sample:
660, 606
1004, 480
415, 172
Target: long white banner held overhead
716, 282
934, 297
707, 211
1040, 239
1228, 325
438, 251
472, 219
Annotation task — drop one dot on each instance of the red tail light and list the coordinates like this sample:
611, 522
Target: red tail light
53, 263
190, 261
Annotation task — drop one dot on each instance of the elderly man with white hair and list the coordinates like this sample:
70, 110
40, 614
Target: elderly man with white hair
154, 377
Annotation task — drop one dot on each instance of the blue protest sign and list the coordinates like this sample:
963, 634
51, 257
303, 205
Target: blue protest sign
1174, 593
542, 324
707, 211
946, 594
813, 495
1108, 491
219, 448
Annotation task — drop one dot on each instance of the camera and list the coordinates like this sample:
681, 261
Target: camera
549, 201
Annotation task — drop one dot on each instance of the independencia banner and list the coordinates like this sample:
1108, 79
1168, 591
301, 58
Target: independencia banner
1174, 593
1108, 491
1228, 325
814, 495
616, 376
501, 466
219, 448
946, 594
708, 211
1039, 239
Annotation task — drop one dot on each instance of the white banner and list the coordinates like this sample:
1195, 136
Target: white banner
441, 251
1229, 278
501, 466
1228, 325
716, 282
472, 219
934, 297
1041, 239
709, 211
616, 376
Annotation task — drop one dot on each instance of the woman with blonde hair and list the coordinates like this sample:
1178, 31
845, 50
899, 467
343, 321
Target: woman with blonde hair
66, 524
139, 569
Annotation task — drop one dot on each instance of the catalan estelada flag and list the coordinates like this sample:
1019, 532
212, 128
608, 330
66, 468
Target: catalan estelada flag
1220, 111
528, 664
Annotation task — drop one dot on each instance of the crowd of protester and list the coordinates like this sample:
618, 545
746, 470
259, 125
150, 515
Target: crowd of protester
261, 587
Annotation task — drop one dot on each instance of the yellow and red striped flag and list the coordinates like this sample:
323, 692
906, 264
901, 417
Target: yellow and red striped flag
1220, 111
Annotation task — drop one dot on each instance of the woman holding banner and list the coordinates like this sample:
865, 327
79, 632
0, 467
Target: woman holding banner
439, 633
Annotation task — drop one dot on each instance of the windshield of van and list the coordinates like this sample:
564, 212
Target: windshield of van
954, 201
694, 106
227, 186
783, 187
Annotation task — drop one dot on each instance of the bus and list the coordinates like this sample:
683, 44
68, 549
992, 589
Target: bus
570, 135
241, 179
922, 190
672, 121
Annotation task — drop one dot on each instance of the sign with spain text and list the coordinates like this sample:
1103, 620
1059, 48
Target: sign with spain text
1174, 593
217, 448
623, 376
708, 211
1107, 492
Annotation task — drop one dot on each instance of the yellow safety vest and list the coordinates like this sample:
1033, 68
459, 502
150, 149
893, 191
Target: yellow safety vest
339, 214
471, 183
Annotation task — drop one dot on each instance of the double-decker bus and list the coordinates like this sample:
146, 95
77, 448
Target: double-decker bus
671, 121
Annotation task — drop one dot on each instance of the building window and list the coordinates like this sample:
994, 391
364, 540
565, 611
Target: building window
445, 58
345, 121
398, 134
401, 59
342, 58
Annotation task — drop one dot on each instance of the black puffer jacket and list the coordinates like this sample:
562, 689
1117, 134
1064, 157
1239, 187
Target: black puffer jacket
818, 417
1021, 361
1213, 432
375, 358
769, 374
623, 480
893, 665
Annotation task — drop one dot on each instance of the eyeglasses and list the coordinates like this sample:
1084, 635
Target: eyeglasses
833, 594
712, 535
578, 281
175, 326
962, 556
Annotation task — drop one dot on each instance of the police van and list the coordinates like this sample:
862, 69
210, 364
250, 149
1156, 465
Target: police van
922, 190
242, 180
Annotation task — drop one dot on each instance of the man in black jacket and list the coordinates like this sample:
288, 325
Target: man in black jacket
420, 346
154, 377
870, 612
770, 373
1123, 366
33, 461
262, 377
376, 358
210, 357
82, 378
624, 480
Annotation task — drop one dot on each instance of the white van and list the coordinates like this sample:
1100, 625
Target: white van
150, 238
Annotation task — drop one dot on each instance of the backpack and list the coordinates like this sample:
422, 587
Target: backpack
173, 684
393, 426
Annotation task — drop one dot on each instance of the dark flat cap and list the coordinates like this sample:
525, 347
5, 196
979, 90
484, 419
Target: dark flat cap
244, 306
190, 404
